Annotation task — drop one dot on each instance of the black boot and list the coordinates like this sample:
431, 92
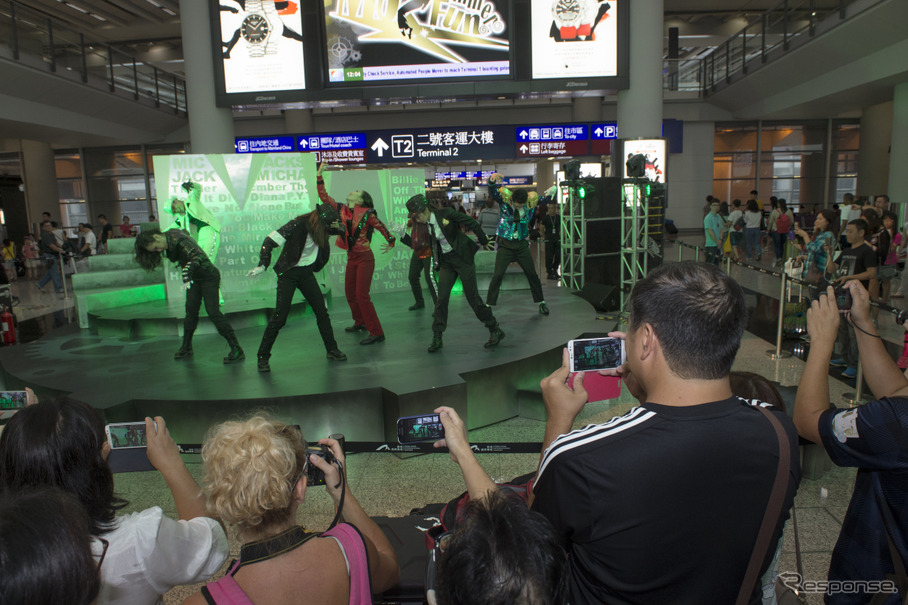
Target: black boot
436, 342
495, 336
417, 305
263, 365
236, 351
186, 348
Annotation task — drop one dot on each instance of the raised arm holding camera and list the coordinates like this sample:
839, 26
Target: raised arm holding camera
872, 437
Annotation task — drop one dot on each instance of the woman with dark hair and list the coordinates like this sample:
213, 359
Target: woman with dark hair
877, 240
889, 263
752, 219
359, 221
61, 443
817, 250
199, 275
781, 220
305, 250
46, 549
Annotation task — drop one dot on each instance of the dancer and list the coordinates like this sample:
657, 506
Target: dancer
420, 262
199, 275
190, 213
453, 251
513, 230
359, 219
305, 251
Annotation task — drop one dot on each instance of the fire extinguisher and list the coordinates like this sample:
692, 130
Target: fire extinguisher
7, 320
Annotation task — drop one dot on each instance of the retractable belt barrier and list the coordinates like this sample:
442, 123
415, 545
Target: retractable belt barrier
365, 447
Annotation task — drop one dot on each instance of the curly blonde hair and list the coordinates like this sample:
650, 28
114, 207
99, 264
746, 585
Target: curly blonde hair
250, 469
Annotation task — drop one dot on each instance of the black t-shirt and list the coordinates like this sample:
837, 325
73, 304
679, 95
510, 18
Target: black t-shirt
552, 224
663, 505
853, 261
106, 230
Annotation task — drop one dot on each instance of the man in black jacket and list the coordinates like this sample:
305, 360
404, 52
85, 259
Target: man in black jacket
305, 251
453, 251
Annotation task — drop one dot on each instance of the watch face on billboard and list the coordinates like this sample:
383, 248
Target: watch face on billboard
378, 40
652, 160
262, 45
574, 38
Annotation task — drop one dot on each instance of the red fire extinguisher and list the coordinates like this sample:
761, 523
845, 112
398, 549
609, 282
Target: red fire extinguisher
7, 320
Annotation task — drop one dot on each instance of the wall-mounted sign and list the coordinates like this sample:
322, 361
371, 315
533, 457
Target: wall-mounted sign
552, 140
574, 38
262, 46
443, 144
265, 145
377, 40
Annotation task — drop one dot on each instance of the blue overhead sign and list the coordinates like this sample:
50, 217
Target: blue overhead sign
265, 145
561, 132
443, 144
604, 131
317, 142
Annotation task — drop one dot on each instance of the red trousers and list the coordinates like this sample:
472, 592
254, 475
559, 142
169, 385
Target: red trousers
357, 283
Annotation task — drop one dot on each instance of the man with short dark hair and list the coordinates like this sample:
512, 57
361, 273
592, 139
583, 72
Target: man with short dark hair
51, 247
712, 225
857, 262
664, 504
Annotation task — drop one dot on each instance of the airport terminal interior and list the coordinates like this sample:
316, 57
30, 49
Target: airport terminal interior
108, 107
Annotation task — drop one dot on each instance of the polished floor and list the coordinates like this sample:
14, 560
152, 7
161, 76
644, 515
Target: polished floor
390, 485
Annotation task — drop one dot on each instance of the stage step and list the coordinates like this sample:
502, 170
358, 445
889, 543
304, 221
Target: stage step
111, 262
121, 245
90, 300
124, 278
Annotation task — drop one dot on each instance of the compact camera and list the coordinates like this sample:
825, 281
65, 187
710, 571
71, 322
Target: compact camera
314, 475
843, 298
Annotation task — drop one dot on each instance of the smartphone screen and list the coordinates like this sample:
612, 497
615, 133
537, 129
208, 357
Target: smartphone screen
413, 429
13, 400
590, 354
123, 435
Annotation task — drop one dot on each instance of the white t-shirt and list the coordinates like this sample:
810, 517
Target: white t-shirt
752, 219
151, 553
734, 216
91, 240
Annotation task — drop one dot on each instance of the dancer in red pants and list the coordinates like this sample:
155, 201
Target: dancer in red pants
359, 220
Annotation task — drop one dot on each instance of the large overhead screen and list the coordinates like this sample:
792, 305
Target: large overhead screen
574, 38
387, 42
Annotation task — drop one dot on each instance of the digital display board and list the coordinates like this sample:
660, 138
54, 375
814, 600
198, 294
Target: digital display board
262, 46
415, 40
574, 38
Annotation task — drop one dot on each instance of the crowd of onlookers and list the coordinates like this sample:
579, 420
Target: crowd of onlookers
683, 499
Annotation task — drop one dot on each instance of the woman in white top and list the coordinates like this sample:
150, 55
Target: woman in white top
62, 443
752, 219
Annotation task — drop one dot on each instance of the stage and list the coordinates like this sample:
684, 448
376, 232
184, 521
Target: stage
133, 375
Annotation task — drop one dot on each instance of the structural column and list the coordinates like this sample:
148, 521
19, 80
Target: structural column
640, 106
39, 175
210, 127
873, 155
898, 155
299, 121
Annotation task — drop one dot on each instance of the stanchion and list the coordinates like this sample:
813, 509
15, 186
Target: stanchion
856, 398
778, 353
728, 266
697, 253
680, 250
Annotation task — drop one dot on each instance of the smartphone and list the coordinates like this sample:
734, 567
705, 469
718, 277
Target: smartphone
413, 429
13, 400
590, 354
122, 435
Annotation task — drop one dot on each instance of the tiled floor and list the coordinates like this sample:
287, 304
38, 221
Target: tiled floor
389, 485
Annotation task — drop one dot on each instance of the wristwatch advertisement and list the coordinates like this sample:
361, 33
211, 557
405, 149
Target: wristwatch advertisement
256, 29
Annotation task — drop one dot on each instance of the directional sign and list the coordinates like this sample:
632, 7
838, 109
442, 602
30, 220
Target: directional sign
560, 132
317, 142
604, 131
440, 144
264, 145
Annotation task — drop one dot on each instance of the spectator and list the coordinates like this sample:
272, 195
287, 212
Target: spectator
697, 464
46, 550
851, 211
736, 229
106, 233
817, 251
856, 263
890, 240
90, 242
781, 221
8, 255
871, 437
256, 473
501, 552
61, 443
712, 226
752, 220
126, 230
51, 249
488, 220
881, 203
30, 255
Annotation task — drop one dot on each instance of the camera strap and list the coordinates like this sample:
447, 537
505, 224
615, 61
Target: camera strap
343, 486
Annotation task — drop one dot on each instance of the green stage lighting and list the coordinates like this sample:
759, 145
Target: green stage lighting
581, 191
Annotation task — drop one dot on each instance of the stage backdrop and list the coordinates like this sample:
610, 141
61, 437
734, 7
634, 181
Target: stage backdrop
254, 194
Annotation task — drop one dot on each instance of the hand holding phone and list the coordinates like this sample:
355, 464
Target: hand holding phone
593, 354
123, 435
414, 429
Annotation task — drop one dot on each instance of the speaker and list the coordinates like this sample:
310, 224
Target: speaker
603, 298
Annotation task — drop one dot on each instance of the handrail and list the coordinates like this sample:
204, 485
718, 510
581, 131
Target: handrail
68, 53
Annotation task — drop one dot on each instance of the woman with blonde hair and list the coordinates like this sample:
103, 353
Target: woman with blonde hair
256, 473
